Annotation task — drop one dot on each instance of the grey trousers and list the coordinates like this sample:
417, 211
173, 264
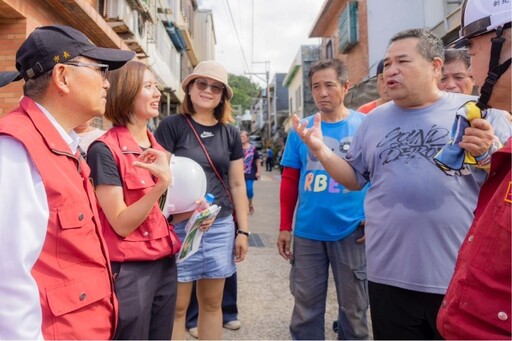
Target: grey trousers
309, 280
146, 292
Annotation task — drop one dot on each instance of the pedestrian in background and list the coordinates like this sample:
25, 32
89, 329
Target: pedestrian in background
88, 134
56, 277
130, 172
456, 78
203, 133
269, 159
252, 167
381, 90
412, 240
477, 303
280, 157
329, 219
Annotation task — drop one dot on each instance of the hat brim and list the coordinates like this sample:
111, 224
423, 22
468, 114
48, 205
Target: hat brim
192, 76
114, 58
9, 77
459, 43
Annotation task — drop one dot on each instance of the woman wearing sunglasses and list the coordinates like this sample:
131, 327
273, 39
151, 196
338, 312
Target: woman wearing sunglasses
130, 172
203, 133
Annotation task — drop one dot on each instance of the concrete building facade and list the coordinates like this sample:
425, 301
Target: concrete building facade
358, 31
300, 100
170, 36
297, 82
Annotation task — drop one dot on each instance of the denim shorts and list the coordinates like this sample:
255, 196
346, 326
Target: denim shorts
215, 257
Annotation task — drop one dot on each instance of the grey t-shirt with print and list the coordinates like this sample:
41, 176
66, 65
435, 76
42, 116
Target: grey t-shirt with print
416, 216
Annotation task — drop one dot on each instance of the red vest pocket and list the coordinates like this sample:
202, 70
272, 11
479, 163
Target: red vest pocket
78, 293
138, 181
76, 232
75, 216
80, 309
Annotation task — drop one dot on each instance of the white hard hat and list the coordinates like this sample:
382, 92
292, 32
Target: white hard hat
482, 16
188, 186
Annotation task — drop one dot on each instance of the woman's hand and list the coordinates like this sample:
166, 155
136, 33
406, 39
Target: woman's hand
157, 163
241, 247
206, 224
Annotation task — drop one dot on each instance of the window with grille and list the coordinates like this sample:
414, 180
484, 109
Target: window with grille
348, 27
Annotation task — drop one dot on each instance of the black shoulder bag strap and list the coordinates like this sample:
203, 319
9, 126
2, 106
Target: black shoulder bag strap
214, 169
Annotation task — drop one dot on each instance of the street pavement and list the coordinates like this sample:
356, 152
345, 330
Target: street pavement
264, 300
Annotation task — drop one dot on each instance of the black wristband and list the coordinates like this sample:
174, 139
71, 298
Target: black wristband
244, 233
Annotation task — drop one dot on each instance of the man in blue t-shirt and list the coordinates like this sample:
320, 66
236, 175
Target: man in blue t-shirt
329, 218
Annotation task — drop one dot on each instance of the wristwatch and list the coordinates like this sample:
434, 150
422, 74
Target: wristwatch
244, 232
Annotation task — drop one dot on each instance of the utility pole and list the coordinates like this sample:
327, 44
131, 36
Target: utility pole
268, 122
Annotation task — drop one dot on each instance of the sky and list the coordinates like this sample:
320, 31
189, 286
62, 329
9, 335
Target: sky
274, 33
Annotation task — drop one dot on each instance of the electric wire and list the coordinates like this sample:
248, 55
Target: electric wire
237, 36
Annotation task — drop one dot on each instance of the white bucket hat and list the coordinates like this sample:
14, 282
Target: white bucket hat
209, 69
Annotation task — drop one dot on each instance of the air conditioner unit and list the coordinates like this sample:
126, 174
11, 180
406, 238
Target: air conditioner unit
118, 14
128, 23
138, 41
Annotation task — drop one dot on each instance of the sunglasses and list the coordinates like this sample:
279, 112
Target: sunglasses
203, 85
101, 68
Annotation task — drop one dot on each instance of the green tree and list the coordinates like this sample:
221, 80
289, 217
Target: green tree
243, 91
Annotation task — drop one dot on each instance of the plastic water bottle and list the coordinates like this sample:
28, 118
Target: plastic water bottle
209, 198
192, 241
208, 201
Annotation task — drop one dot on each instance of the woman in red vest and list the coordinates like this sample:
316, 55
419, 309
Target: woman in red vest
130, 172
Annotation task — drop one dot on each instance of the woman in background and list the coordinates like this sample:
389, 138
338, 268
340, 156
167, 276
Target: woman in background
252, 166
130, 172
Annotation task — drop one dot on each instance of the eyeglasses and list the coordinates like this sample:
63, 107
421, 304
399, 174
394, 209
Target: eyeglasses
102, 68
203, 85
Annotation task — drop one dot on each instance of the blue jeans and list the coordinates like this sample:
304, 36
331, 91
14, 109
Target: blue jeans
249, 187
229, 307
309, 280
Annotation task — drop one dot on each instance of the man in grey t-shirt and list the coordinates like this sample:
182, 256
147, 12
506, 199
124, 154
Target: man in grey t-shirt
416, 216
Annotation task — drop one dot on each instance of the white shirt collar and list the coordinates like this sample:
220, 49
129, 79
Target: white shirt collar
72, 139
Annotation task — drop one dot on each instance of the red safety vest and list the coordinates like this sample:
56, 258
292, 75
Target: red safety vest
155, 237
73, 272
477, 304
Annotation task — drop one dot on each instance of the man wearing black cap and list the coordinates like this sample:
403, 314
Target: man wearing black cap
56, 279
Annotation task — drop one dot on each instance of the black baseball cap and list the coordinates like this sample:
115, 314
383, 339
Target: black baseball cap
8, 77
50, 45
